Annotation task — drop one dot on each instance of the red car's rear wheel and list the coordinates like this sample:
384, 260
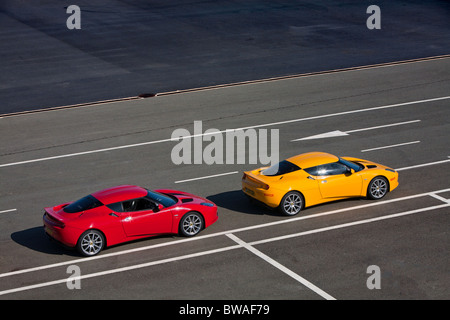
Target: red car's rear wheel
90, 243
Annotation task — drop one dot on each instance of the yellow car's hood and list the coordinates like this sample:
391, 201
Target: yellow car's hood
368, 164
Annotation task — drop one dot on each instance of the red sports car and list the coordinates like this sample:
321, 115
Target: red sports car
126, 213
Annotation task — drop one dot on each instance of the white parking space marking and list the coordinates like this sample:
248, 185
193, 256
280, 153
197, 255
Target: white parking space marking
9, 210
227, 130
269, 224
279, 266
207, 177
124, 269
227, 233
351, 224
391, 146
440, 198
76, 261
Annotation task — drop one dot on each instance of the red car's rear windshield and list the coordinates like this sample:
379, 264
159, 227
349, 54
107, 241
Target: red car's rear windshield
86, 203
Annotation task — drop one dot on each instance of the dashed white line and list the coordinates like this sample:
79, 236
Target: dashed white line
391, 146
423, 165
208, 177
9, 210
279, 266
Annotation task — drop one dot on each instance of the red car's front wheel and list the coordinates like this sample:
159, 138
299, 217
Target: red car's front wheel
191, 224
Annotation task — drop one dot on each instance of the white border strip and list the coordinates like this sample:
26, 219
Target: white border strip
279, 266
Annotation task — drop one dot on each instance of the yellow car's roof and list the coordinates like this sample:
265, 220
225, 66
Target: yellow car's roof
312, 159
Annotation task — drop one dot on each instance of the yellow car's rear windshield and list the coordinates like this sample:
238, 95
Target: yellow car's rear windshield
280, 168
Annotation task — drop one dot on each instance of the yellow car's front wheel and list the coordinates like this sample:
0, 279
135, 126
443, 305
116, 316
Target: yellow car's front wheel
292, 203
378, 188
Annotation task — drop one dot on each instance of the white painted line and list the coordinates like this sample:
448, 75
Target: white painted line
85, 152
9, 210
391, 146
440, 198
348, 112
224, 131
203, 253
350, 224
383, 126
338, 133
201, 237
280, 267
124, 269
331, 134
423, 165
207, 177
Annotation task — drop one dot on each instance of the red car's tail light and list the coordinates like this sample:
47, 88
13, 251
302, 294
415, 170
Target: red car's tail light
53, 221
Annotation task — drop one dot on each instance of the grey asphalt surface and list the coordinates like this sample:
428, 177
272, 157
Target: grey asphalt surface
126, 48
411, 250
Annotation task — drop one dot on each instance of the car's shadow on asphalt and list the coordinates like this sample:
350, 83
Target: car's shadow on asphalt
237, 201
35, 239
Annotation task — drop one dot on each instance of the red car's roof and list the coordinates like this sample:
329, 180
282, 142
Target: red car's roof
119, 193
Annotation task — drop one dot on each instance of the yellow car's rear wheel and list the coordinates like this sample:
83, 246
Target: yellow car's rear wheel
292, 203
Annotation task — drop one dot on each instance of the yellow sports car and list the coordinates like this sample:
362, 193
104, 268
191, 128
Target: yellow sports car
312, 178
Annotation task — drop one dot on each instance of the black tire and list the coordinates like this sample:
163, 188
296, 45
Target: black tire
292, 203
377, 188
90, 243
191, 224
